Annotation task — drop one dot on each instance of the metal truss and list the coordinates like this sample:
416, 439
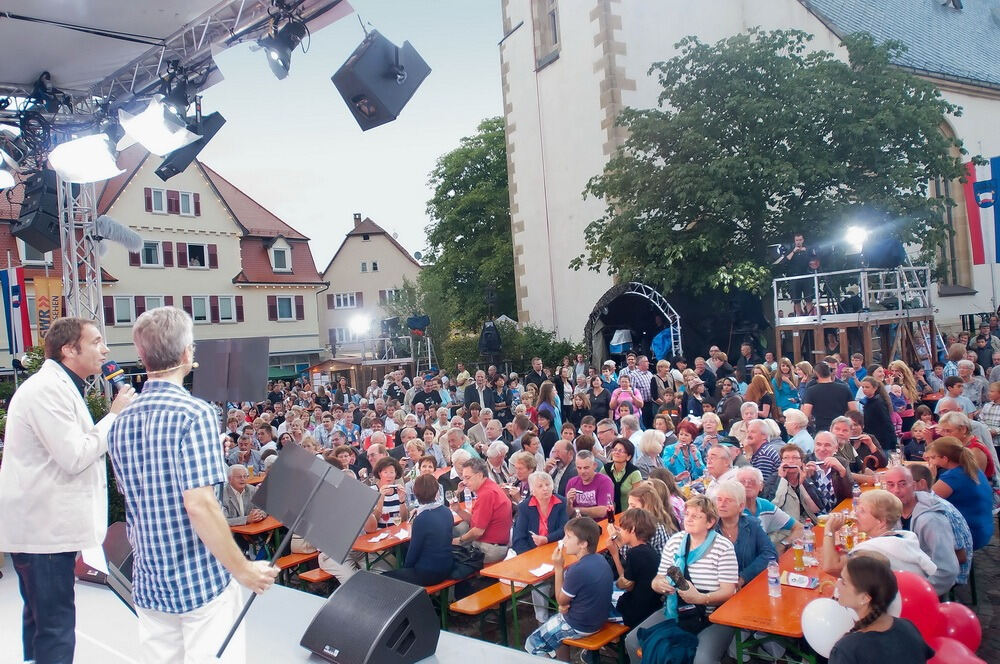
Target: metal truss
670, 315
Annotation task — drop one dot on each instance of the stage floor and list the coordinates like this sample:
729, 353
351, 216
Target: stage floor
106, 632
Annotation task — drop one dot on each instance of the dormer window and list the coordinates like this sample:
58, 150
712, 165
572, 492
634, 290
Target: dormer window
366, 237
281, 256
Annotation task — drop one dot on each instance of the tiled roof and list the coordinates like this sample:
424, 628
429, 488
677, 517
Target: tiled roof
10, 202
368, 227
109, 190
251, 215
955, 44
257, 264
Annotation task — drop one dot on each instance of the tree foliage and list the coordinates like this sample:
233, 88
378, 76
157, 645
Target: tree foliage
754, 139
469, 239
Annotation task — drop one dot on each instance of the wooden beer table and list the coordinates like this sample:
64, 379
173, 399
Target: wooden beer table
267, 525
386, 545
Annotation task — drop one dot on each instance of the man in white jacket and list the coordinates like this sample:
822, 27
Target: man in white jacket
53, 484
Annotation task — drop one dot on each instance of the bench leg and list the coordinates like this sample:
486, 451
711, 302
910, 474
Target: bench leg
444, 601
502, 623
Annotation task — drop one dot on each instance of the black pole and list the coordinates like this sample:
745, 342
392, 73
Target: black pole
277, 553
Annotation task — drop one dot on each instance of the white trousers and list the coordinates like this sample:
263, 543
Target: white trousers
194, 637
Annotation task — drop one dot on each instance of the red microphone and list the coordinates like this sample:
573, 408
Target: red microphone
114, 374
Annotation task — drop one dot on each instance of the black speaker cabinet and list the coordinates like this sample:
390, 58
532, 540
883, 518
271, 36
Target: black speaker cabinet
178, 160
373, 619
38, 223
117, 551
372, 85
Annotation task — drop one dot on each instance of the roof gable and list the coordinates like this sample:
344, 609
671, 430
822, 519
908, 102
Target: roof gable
253, 217
942, 41
368, 227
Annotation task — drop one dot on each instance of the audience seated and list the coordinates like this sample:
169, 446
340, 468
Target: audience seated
428, 556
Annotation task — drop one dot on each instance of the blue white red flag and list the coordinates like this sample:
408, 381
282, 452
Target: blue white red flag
15, 309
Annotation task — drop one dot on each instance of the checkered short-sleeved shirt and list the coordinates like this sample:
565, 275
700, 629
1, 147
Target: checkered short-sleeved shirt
163, 444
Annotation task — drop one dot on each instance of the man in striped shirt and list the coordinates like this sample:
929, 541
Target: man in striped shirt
184, 550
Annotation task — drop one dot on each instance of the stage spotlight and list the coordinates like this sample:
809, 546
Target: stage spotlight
279, 46
360, 325
86, 159
6, 179
178, 160
855, 237
158, 129
177, 101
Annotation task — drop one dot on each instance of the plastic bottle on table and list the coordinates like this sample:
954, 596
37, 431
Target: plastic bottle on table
808, 540
855, 496
773, 579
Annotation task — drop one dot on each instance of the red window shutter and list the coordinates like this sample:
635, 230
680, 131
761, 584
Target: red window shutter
330, 302
213, 306
133, 259
182, 254
148, 193
109, 309
173, 201
239, 308
168, 300
186, 304
168, 254
359, 299
213, 256
381, 297
272, 307
300, 307
197, 205
140, 305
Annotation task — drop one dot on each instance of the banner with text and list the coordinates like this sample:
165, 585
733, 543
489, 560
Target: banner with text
48, 303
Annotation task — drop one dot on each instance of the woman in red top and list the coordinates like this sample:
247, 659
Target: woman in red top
957, 424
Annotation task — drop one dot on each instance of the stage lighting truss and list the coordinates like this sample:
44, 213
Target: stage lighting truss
279, 43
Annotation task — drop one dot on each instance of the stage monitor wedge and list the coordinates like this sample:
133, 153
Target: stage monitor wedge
373, 619
370, 83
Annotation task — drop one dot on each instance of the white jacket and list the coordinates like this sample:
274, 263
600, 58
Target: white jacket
902, 548
53, 482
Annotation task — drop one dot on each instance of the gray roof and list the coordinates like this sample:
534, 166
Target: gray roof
955, 44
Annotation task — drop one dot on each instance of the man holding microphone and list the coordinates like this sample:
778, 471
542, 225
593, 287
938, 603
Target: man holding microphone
53, 484
184, 550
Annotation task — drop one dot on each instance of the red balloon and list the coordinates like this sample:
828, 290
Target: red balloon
920, 604
961, 624
950, 651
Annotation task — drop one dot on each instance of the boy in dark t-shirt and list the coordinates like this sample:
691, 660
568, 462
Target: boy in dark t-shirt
583, 591
635, 576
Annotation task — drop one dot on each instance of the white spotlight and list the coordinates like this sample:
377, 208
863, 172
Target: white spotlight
85, 159
6, 179
360, 325
856, 237
156, 128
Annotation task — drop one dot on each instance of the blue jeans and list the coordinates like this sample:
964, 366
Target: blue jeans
48, 622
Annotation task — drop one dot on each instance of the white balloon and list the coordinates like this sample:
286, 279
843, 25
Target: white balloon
896, 606
824, 621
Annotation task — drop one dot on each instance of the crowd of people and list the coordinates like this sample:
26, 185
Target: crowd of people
715, 468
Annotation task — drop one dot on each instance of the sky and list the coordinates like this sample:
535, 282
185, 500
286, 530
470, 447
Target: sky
294, 147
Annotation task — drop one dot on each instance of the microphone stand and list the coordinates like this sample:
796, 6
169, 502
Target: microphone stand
277, 553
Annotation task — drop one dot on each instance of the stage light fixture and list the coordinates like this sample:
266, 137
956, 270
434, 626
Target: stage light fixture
855, 237
6, 179
85, 159
177, 101
360, 325
158, 129
180, 159
279, 46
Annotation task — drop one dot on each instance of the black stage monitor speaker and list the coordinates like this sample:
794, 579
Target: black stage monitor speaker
180, 159
489, 339
231, 369
373, 619
884, 253
38, 223
379, 78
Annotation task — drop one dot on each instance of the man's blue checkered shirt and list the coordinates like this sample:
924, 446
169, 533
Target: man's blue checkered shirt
163, 444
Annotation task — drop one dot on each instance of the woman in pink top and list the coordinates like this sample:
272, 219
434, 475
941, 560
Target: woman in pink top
625, 394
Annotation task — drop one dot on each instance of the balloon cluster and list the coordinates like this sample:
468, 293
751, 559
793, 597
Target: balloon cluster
951, 629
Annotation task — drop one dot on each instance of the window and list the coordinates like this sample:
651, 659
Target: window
186, 204
197, 256
553, 25
366, 237
546, 17
159, 201
32, 256
32, 311
345, 301
199, 309
151, 255
279, 259
344, 335
374, 266
153, 301
392, 294
227, 309
286, 308
124, 310
364, 266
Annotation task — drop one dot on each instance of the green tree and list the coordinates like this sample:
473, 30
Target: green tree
469, 241
755, 139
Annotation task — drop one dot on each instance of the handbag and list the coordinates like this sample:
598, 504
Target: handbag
692, 618
466, 561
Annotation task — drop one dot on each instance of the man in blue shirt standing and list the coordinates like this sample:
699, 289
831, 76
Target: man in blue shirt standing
583, 591
184, 550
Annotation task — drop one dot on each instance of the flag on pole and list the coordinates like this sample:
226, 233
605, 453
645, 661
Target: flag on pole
15, 310
48, 303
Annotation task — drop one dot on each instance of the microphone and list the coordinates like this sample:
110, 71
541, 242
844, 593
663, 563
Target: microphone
114, 374
106, 228
193, 365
